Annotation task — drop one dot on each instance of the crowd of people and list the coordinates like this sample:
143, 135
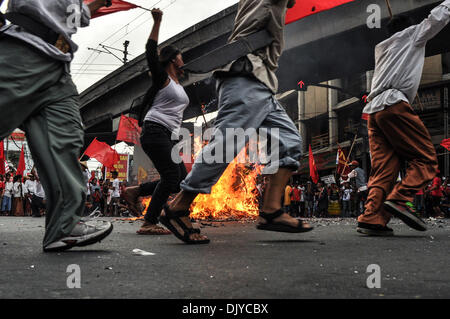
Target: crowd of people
104, 197
333, 200
21, 196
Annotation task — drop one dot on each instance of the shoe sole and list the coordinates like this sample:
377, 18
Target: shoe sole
406, 217
371, 232
95, 237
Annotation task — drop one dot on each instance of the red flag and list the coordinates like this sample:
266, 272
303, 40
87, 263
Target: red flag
342, 165
312, 167
129, 130
446, 144
304, 8
2, 158
103, 153
21, 166
117, 5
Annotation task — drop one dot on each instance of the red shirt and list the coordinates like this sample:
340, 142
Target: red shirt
2, 185
436, 184
295, 194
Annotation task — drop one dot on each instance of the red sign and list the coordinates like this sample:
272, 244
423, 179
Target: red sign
121, 167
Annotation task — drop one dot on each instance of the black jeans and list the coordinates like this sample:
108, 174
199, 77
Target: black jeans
157, 144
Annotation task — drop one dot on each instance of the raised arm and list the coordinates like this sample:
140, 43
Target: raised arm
431, 26
159, 75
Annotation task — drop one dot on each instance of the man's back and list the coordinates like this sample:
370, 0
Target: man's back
399, 61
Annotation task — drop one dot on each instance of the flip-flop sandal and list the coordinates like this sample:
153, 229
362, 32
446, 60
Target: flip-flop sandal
158, 230
405, 215
374, 230
175, 216
270, 225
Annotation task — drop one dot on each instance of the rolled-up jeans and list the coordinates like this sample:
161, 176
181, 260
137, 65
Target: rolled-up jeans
244, 103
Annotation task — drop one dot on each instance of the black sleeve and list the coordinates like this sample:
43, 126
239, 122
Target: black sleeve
159, 75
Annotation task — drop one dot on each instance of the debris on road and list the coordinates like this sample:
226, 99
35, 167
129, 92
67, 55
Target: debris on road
140, 252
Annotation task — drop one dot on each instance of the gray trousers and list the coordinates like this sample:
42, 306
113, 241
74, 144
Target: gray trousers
37, 95
244, 103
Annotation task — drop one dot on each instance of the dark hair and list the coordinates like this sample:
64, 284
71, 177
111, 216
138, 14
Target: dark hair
167, 54
114, 173
17, 178
399, 23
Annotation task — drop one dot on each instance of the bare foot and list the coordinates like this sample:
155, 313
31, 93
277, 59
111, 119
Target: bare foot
287, 220
153, 229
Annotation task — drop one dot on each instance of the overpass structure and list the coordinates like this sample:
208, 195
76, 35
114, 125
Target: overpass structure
325, 46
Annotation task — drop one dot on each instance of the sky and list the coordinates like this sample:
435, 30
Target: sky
134, 25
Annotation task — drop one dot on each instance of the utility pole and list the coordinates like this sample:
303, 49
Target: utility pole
108, 51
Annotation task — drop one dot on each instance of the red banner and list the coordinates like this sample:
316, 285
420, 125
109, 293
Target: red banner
304, 8
129, 130
117, 5
121, 167
312, 167
103, 153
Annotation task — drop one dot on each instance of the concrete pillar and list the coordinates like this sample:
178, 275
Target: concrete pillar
301, 118
332, 116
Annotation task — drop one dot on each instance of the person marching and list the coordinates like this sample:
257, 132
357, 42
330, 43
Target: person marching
37, 94
396, 133
246, 89
164, 105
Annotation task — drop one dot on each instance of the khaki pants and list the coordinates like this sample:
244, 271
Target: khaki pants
397, 134
39, 97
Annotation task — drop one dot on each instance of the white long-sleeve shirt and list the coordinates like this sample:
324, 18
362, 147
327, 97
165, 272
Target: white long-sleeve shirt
58, 15
399, 61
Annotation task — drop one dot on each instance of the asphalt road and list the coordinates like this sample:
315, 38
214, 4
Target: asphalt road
240, 262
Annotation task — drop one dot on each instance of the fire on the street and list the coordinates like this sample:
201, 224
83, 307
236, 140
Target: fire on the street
235, 195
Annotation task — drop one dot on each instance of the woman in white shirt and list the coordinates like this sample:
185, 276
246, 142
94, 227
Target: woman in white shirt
164, 105
6, 202
18, 194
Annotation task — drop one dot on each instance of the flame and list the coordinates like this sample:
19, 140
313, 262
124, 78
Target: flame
234, 196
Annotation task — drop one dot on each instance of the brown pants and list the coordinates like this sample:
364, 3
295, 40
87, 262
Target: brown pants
397, 134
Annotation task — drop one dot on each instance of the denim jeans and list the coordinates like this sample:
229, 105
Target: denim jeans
157, 144
6, 204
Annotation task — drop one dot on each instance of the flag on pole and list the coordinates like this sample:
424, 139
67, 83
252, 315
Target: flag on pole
312, 167
446, 144
341, 162
103, 153
129, 130
306, 8
21, 166
2, 158
117, 5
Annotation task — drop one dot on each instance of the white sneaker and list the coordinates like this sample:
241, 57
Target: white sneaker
84, 233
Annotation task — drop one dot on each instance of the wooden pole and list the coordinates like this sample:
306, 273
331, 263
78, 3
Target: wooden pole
389, 8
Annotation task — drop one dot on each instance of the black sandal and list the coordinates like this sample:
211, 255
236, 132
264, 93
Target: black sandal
279, 227
169, 215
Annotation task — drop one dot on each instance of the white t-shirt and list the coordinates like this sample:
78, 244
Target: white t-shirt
116, 188
168, 107
8, 189
302, 193
346, 194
